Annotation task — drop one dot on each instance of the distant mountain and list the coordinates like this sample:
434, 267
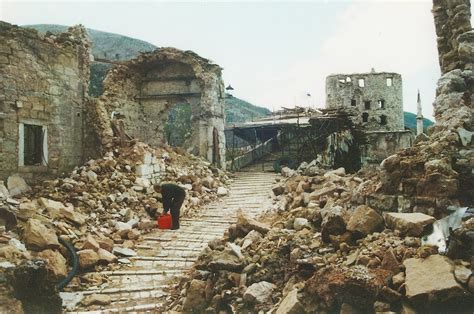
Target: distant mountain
410, 121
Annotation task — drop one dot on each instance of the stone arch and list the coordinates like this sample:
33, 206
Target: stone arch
143, 90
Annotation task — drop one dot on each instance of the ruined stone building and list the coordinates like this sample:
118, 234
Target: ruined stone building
49, 124
43, 90
375, 101
144, 90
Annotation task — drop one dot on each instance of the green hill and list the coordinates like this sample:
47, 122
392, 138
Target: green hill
410, 121
104, 45
238, 110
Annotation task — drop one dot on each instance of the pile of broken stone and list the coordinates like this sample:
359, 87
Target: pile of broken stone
320, 249
100, 208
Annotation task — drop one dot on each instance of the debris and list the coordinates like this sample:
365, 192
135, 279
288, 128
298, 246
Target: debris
38, 237
259, 292
195, 296
365, 220
87, 258
410, 224
17, 185
431, 279
122, 251
96, 299
290, 304
55, 263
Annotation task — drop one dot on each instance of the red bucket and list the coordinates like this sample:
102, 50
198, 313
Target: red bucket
164, 221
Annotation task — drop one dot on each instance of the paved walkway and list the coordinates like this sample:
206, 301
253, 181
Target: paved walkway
163, 254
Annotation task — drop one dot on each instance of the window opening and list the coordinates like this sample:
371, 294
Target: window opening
33, 145
353, 102
367, 104
348, 79
365, 117
381, 104
383, 120
361, 83
389, 81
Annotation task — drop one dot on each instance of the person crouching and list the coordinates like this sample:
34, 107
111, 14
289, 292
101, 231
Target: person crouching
173, 197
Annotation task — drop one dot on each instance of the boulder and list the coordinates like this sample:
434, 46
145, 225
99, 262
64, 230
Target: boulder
72, 215
365, 220
96, 299
105, 256
106, 244
195, 296
333, 222
226, 260
87, 258
90, 243
17, 185
133, 234
37, 237
300, 224
122, 251
430, 279
462, 273
290, 304
259, 292
251, 237
278, 189
247, 224
55, 262
287, 172
222, 191
410, 224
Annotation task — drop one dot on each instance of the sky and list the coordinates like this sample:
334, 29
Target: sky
272, 53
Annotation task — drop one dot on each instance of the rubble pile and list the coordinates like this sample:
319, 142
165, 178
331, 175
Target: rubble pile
101, 207
320, 249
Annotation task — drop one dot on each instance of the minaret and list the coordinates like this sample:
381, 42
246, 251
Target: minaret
419, 116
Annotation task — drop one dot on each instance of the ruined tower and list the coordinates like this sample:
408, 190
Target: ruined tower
419, 116
375, 98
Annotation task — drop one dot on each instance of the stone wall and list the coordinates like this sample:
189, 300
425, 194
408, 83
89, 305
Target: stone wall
377, 96
383, 144
438, 171
141, 93
43, 82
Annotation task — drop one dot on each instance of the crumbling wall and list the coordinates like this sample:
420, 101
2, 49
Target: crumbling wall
43, 83
381, 144
437, 172
142, 91
375, 99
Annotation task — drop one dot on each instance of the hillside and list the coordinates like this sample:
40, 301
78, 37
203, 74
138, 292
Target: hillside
238, 110
410, 121
104, 45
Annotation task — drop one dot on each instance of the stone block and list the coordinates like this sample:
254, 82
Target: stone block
143, 170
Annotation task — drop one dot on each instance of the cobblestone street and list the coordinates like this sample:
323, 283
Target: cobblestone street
164, 254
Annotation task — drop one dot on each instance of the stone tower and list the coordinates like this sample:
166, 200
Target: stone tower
375, 98
419, 116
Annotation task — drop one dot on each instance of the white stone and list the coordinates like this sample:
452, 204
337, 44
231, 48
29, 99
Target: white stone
17, 185
237, 250
143, 170
91, 176
465, 136
290, 304
147, 158
301, 223
122, 251
251, 237
3, 191
222, 191
17, 244
259, 292
142, 182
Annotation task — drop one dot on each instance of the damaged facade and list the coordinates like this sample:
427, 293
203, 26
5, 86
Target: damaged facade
143, 91
375, 101
43, 90
49, 125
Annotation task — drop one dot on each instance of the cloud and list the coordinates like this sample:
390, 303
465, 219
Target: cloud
395, 37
